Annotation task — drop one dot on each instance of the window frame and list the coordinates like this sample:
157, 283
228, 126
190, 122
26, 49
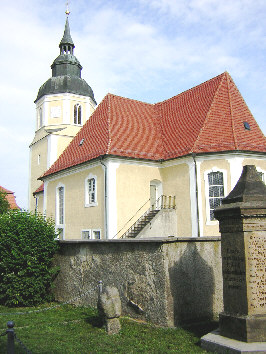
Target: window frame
86, 230
93, 234
59, 224
77, 114
207, 190
88, 193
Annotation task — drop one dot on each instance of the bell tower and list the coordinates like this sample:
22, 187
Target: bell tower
63, 104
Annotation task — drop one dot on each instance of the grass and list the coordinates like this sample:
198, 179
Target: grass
69, 329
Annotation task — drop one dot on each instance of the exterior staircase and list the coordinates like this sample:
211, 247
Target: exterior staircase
163, 202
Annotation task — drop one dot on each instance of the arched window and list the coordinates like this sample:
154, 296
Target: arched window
60, 210
216, 191
77, 114
91, 191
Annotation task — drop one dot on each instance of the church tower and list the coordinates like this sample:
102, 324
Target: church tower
63, 104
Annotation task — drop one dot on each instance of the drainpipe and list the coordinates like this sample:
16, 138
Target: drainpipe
36, 204
105, 196
197, 197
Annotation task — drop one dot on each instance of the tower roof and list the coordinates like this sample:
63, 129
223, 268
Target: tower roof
66, 71
208, 118
66, 39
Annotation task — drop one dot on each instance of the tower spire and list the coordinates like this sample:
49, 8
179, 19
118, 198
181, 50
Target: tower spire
66, 45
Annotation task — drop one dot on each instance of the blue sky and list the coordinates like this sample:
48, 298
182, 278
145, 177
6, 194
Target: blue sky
148, 50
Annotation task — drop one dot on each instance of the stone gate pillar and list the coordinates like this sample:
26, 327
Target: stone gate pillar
242, 220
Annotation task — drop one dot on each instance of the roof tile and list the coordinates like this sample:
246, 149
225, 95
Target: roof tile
207, 118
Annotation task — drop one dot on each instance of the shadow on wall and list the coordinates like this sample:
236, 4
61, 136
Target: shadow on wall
192, 287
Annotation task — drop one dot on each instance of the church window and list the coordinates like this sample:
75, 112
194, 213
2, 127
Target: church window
91, 191
77, 114
216, 191
60, 204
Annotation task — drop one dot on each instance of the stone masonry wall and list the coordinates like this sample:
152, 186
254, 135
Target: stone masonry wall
165, 281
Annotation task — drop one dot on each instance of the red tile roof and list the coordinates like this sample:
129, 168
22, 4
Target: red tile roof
40, 189
10, 198
207, 118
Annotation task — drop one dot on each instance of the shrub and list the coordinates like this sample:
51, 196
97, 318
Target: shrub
4, 205
27, 246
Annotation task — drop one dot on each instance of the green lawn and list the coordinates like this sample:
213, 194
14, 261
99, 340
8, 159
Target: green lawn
70, 329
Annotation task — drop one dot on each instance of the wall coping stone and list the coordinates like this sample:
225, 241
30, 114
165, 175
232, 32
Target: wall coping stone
147, 240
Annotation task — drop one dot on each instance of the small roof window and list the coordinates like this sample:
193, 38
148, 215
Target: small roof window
246, 125
81, 142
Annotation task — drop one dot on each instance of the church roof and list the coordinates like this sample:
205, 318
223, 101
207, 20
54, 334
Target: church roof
211, 117
39, 189
10, 198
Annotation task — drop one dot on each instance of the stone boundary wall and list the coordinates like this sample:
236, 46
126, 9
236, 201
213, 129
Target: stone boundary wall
168, 281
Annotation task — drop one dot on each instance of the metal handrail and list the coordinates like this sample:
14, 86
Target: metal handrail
163, 202
131, 218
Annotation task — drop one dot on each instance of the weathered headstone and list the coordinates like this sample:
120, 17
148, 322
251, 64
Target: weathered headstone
109, 307
242, 220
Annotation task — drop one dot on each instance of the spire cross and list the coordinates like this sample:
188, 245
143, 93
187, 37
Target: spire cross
67, 10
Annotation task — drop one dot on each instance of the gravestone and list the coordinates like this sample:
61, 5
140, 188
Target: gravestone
109, 308
242, 221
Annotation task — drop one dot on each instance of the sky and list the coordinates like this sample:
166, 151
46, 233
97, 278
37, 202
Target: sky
149, 50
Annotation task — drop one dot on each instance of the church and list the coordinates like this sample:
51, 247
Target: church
130, 169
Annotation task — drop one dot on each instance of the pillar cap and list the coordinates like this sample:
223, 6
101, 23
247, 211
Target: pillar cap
248, 188
247, 198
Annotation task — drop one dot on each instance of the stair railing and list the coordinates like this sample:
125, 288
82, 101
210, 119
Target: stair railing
131, 219
163, 202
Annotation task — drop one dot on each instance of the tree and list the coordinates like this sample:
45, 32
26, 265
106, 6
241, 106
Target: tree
27, 246
4, 205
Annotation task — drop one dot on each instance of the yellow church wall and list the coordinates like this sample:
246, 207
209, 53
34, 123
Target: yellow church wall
211, 228
55, 103
39, 197
38, 162
176, 183
77, 216
133, 192
65, 136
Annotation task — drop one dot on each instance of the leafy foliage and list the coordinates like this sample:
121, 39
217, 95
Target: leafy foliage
27, 246
4, 205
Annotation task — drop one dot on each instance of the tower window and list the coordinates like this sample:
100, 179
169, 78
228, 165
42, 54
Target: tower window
77, 114
39, 118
